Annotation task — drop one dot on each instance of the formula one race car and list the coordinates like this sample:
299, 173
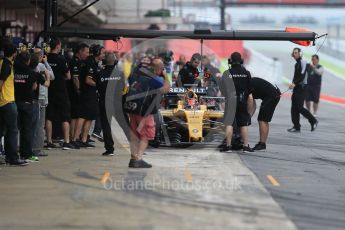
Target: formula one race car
188, 117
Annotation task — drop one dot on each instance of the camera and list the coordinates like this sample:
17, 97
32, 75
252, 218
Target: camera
167, 57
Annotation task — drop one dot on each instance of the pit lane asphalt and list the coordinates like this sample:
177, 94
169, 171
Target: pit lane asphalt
310, 167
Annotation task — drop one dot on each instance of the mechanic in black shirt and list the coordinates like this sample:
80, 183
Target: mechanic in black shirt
89, 108
298, 96
188, 75
24, 86
59, 107
236, 87
270, 96
73, 86
315, 71
103, 78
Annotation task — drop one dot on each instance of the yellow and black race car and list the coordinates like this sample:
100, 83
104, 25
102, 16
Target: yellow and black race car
188, 117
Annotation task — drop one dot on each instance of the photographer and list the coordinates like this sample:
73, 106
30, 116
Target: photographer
188, 75
167, 58
205, 63
145, 86
211, 84
180, 63
42, 101
42, 81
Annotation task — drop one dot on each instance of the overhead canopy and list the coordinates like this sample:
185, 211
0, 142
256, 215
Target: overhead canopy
106, 34
54, 29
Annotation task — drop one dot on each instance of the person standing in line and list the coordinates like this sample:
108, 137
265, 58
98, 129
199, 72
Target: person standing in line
104, 77
8, 107
59, 107
39, 134
24, 86
76, 64
89, 107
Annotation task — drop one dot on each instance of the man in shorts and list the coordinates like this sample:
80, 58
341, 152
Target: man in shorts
59, 107
270, 96
73, 85
141, 117
89, 108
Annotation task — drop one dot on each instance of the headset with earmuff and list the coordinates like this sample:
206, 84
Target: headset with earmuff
96, 50
230, 61
25, 47
299, 51
46, 48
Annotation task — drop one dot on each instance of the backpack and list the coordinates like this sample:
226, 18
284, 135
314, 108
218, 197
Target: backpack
140, 97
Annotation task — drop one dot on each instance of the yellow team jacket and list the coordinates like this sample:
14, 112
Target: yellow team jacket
7, 90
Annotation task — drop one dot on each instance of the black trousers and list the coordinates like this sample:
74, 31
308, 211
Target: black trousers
105, 122
25, 113
297, 102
